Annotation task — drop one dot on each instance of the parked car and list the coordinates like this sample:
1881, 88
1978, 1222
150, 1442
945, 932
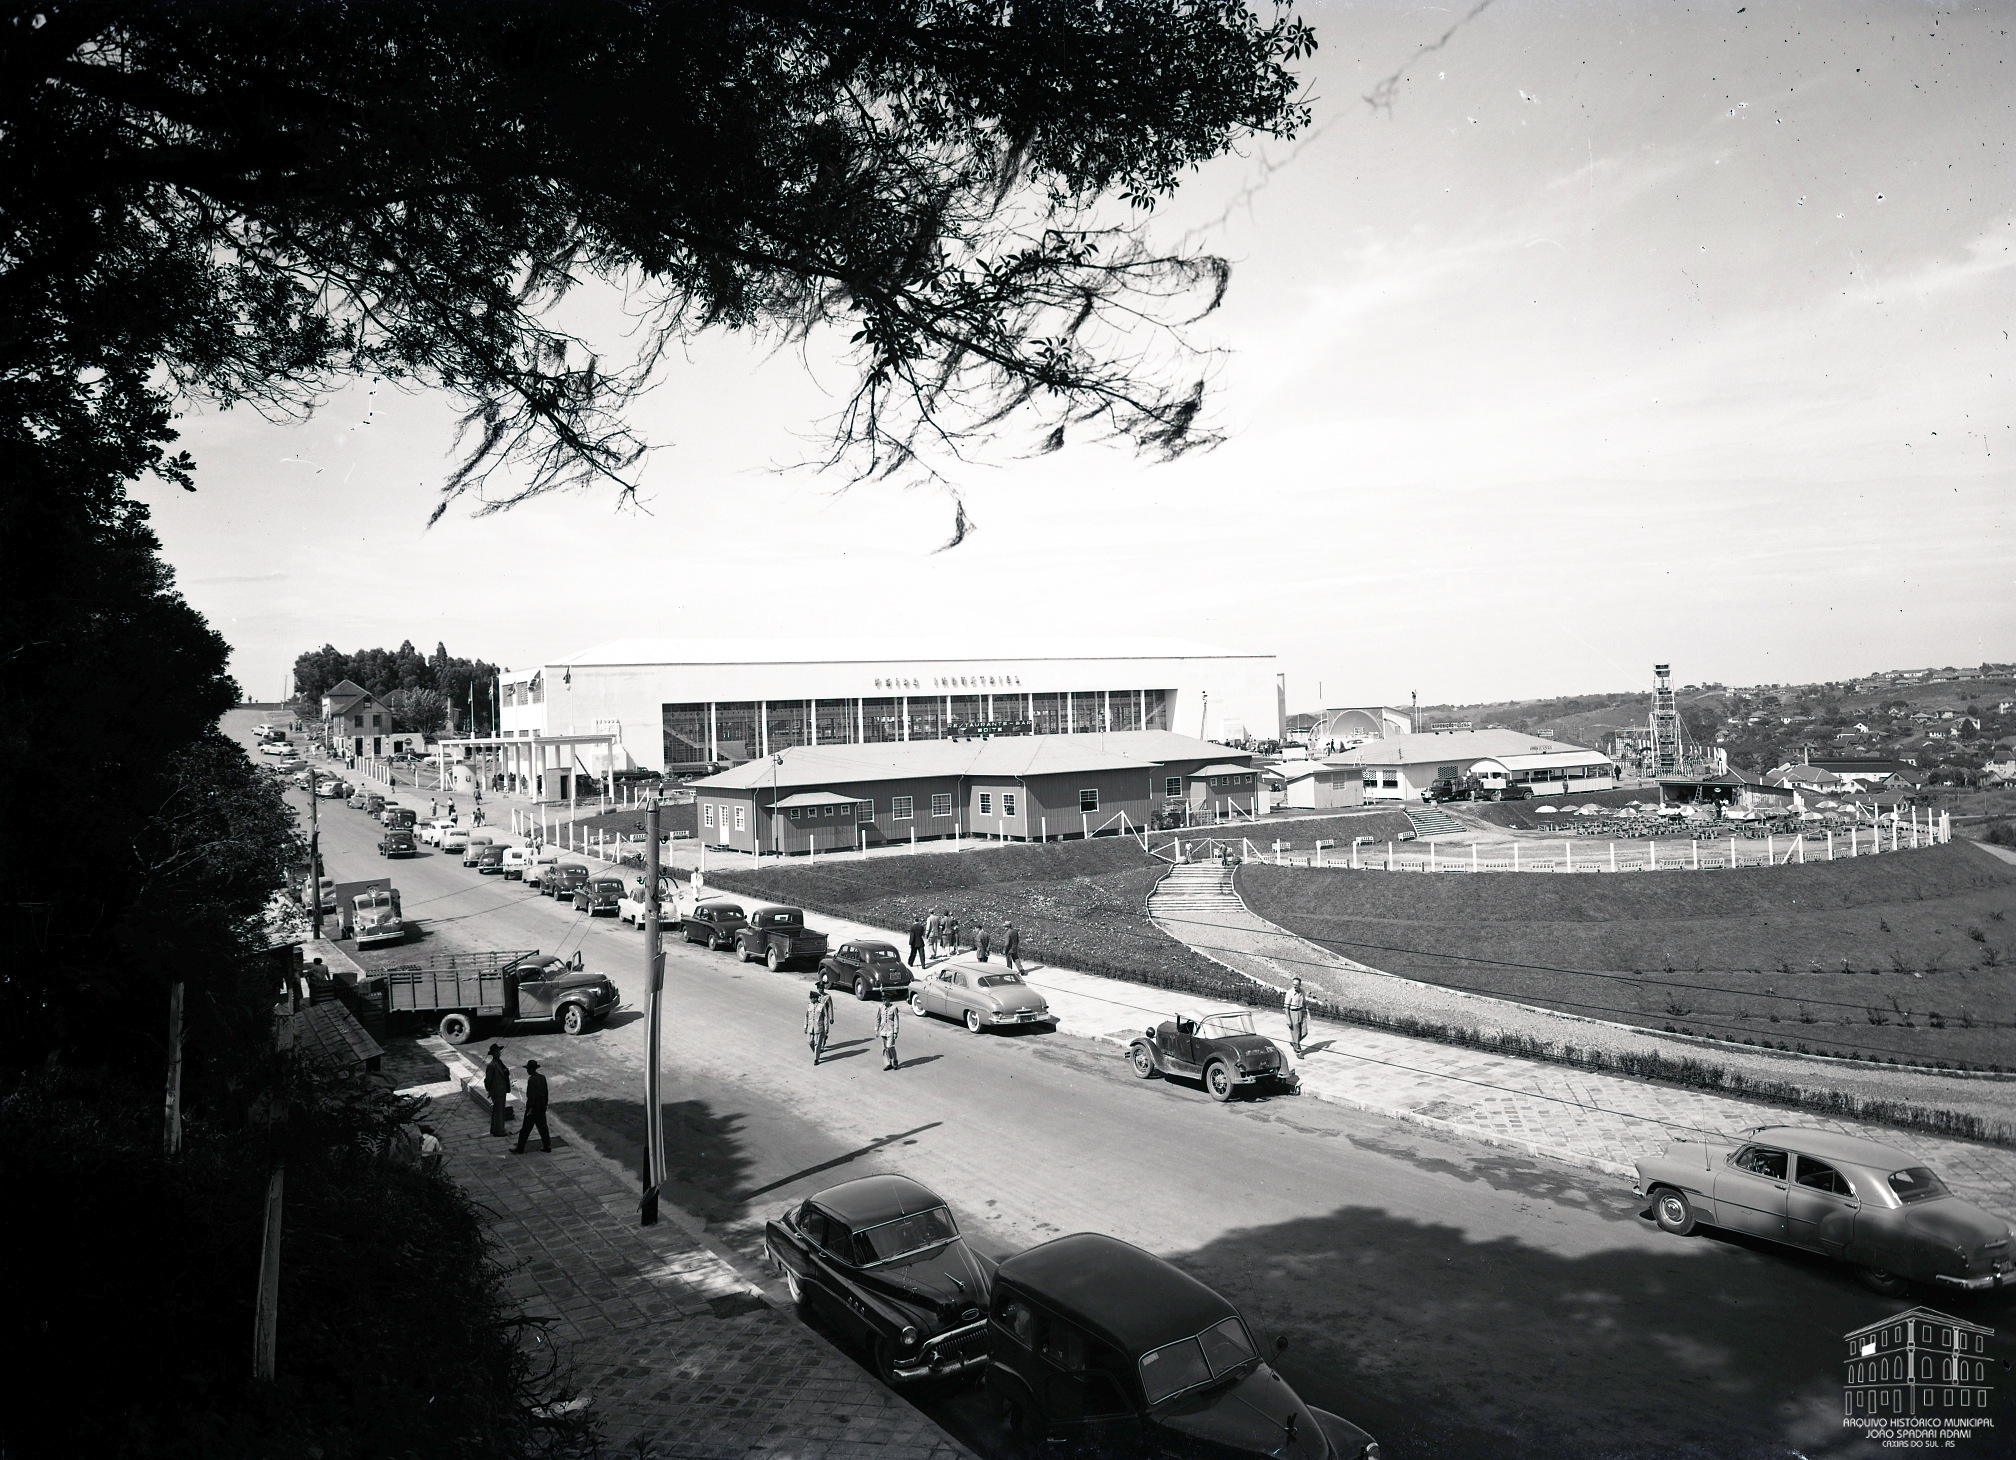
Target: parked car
332, 789
373, 804
1225, 1051
1096, 1347
778, 936
396, 815
516, 859
397, 842
980, 999
563, 878
714, 923
489, 859
537, 864
374, 918
598, 895
1874, 1206
356, 799
454, 838
474, 841
632, 908
429, 832
879, 1261
328, 893
872, 970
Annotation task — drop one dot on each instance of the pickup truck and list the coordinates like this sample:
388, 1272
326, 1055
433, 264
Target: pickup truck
458, 992
778, 936
397, 842
375, 919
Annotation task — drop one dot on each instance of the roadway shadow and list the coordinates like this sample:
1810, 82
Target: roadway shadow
704, 1162
1445, 1344
829, 1056
844, 1044
621, 1017
922, 1059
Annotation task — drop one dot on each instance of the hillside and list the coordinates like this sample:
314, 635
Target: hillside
1904, 958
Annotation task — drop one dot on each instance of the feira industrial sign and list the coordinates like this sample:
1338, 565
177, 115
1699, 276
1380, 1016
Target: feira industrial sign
954, 681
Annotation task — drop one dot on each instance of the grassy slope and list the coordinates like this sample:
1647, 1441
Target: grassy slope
1747, 946
1080, 905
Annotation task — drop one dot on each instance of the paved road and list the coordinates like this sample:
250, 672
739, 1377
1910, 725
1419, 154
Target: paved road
1454, 1299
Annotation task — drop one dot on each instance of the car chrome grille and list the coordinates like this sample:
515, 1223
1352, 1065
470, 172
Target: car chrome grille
957, 1345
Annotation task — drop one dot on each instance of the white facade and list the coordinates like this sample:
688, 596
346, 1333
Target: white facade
1403, 767
685, 703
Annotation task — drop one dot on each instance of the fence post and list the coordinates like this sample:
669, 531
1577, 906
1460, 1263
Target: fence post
1043, 820
1799, 846
1770, 849
1732, 853
1473, 856
913, 840
1830, 845
1613, 856
1568, 856
1515, 856
1697, 854
1084, 827
1431, 854
1651, 856
1389, 856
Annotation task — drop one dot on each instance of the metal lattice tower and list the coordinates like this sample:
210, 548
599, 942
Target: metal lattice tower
1666, 751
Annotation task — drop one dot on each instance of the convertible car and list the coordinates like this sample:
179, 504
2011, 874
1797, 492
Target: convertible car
1225, 1051
881, 1261
982, 1000
1871, 1205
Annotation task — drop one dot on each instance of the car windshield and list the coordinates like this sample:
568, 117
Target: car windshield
1916, 1184
1212, 1354
997, 980
904, 1236
1217, 1026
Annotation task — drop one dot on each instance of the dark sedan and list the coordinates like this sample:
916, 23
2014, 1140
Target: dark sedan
563, 879
599, 895
872, 970
880, 1261
714, 923
489, 860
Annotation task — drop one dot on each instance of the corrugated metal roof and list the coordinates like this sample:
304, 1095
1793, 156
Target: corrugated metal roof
1004, 756
819, 798
1220, 770
1562, 757
1457, 745
892, 651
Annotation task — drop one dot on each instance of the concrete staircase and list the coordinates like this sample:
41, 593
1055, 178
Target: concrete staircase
1197, 892
1434, 821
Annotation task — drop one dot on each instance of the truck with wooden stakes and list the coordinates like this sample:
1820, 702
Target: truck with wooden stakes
462, 993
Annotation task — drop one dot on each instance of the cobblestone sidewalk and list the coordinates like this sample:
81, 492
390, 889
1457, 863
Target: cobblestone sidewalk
677, 1355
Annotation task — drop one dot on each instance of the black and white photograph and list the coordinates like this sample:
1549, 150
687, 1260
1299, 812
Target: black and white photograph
1008, 729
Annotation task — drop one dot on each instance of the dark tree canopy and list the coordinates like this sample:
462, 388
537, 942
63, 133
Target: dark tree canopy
399, 676
261, 196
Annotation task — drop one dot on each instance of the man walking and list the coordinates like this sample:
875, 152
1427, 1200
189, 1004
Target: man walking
948, 930
931, 937
1296, 1008
818, 1019
983, 940
1011, 949
535, 1109
887, 1021
917, 959
497, 1085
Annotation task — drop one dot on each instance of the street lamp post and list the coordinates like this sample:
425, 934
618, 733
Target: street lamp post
654, 968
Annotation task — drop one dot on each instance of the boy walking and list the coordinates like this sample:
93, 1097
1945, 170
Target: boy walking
818, 1019
888, 1020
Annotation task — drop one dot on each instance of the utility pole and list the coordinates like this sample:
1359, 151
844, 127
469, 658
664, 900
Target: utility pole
266, 1305
314, 860
171, 1134
654, 968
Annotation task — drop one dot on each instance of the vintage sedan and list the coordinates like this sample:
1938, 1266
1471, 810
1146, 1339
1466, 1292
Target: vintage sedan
1225, 1051
1874, 1206
562, 879
1096, 1347
980, 999
880, 1261
714, 922
872, 970
488, 859
598, 895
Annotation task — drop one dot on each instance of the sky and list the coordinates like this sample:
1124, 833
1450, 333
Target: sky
1618, 334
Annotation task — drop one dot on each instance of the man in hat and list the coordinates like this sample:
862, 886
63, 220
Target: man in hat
888, 1020
1011, 948
818, 1019
916, 942
497, 1085
982, 940
931, 937
535, 1109
1296, 1007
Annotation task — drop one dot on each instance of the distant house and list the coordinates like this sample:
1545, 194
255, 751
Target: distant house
1402, 767
355, 722
1317, 784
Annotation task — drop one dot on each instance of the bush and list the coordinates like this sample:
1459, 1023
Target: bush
396, 1334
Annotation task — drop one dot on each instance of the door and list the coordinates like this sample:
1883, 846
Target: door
935, 992
535, 998
1750, 1192
1820, 1207
1179, 1044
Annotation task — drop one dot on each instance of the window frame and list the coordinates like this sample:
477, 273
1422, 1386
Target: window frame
941, 799
986, 803
1008, 804
1088, 800
902, 808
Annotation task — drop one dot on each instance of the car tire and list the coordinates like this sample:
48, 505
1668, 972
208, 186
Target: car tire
774, 961
1673, 1212
882, 1359
573, 1020
972, 1021
917, 1005
1218, 1082
1142, 1062
1889, 1284
791, 1284
1018, 1426
457, 1028
714, 944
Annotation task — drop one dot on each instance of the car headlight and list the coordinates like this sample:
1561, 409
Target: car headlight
908, 1337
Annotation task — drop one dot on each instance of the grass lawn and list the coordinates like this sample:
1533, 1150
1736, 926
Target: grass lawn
1080, 904
1905, 958
1302, 836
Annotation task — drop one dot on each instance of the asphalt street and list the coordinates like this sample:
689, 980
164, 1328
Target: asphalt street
1455, 1300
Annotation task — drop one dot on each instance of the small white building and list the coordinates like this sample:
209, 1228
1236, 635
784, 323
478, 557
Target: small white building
1403, 767
1315, 785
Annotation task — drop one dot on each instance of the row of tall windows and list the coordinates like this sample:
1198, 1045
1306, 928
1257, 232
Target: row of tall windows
698, 733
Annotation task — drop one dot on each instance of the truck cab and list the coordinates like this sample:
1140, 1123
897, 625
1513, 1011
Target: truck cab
375, 918
778, 936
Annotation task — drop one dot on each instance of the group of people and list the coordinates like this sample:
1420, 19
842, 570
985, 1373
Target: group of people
819, 1023
938, 934
497, 1085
